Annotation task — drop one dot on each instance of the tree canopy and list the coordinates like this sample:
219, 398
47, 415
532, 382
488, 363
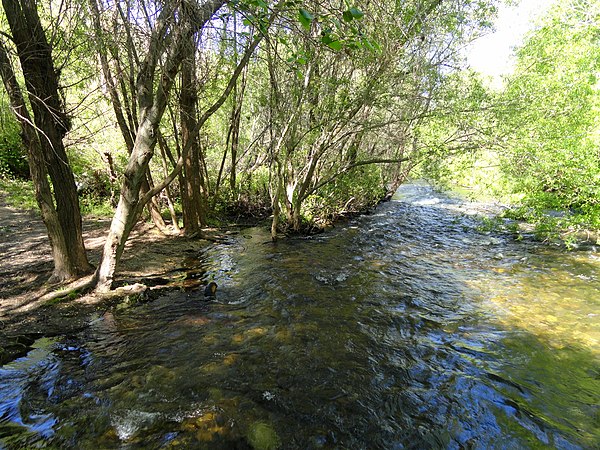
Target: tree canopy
554, 146
303, 111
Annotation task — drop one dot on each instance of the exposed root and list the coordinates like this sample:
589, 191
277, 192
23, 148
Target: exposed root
70, 290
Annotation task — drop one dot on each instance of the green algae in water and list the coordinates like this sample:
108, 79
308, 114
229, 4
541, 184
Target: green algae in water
262, 436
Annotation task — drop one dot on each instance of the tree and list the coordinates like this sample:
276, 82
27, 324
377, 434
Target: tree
171, 33
552, 155
342, 88
193, 189
168, 41
123, 109
59, 205
326, 115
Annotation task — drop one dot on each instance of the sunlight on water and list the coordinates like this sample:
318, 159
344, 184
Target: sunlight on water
558, 303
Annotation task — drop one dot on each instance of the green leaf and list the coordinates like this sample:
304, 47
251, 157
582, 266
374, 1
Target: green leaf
371, 45
332, 42
347, 16
305, 18
335, 45
356, 13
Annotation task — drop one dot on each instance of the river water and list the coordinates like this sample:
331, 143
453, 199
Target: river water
407, 328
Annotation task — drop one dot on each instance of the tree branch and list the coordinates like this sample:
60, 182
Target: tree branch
352, 166
207, 114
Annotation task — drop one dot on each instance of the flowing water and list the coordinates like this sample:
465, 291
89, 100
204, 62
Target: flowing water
407, 328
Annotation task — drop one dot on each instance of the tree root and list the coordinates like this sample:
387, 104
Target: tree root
85, 285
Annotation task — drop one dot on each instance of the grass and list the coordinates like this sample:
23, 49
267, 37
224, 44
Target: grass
18, 193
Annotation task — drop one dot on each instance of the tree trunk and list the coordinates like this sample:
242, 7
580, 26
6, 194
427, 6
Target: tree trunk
235, 132
37, 165
236, 116
128, 136
153, 205
52, 124
166, 45
192, 195
275, 201
163, 150
127, 212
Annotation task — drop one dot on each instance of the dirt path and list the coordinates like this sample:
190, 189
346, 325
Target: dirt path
25, 256
26, 264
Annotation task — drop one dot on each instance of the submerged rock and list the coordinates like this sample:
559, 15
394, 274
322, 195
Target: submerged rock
210, 290
262, 436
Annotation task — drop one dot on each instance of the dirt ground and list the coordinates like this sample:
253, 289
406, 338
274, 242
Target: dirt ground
26, 313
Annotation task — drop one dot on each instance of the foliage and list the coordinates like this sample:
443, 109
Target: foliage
18, 193
458, 136
535, 143
306, 110
346, 65
13, 162
95, 206
352, 192
553, 119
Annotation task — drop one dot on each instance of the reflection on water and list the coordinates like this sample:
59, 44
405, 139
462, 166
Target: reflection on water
404, 329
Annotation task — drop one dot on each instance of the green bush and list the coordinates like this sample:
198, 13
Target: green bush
352, 192
13, 162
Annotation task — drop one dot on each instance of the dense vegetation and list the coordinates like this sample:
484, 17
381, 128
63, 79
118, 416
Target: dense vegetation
299, 111
540, 143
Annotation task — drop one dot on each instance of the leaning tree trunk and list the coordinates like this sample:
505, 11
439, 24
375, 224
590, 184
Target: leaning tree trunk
120, 110
167, 43
152, 104
52, 124
37, 165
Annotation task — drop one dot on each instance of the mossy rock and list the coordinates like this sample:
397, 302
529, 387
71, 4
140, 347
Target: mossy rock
262, 436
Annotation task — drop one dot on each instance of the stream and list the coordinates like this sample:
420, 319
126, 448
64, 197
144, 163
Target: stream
410, 327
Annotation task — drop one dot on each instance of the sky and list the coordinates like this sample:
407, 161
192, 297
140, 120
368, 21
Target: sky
491, 55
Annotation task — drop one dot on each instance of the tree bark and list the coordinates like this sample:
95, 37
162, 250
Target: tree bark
37, 165
163, 150
193, 196
153, 205
52, 124
167, 42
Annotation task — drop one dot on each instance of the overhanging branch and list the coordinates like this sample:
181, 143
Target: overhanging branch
353, 166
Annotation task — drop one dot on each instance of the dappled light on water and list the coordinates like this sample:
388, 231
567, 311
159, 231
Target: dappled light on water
559, 305
408, 328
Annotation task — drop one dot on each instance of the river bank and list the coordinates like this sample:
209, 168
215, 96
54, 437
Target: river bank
550, 227
26, 313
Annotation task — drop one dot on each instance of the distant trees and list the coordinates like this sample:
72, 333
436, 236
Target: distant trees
535, 142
